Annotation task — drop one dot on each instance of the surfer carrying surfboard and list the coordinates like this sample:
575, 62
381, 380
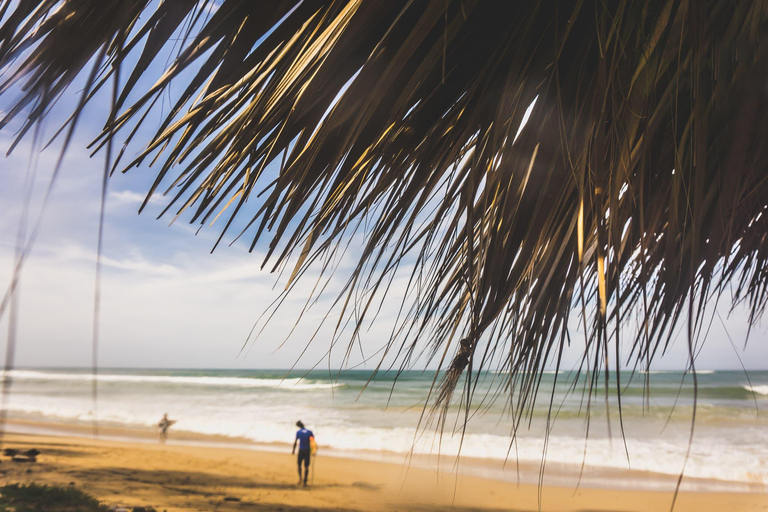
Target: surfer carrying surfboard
306, 441
164, 424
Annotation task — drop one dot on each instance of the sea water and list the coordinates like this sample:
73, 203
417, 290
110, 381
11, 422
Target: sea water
351, 412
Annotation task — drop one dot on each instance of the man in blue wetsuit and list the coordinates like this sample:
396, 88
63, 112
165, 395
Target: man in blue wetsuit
303, 437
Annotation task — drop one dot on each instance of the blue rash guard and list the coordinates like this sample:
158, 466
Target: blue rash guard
303, 436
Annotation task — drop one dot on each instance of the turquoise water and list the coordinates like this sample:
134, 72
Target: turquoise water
350, 412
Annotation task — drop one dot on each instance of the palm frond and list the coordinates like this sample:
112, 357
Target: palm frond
637, 189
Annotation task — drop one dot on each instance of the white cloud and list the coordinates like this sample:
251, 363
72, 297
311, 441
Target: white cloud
118, 198
195, 310
125, 197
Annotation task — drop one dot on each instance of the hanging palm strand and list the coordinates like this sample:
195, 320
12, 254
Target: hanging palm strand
637, 188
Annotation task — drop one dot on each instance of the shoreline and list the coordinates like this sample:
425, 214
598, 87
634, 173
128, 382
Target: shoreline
250, 407
178, 478
522, 473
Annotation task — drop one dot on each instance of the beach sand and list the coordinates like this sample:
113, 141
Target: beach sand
176, 477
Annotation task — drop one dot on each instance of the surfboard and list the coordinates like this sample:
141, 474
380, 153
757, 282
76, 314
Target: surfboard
312, 445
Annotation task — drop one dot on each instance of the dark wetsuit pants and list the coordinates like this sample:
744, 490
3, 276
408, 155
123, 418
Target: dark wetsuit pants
304, 456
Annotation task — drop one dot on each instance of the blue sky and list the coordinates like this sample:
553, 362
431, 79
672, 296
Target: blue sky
168, 302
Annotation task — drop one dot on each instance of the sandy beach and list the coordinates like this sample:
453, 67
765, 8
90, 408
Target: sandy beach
185, 477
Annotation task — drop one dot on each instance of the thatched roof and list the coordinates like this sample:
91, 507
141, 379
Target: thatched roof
637, 190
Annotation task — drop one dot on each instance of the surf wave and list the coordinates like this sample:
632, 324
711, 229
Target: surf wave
760, 390
238, 382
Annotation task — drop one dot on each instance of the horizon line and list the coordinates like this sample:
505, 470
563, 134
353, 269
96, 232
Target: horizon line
336, 370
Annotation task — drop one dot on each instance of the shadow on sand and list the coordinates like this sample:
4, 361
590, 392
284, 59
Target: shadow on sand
49, 449
197, 481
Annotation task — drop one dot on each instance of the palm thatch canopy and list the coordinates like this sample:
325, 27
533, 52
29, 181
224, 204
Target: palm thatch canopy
636, 191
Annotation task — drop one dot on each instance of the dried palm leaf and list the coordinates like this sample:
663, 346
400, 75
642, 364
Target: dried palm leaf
637, 189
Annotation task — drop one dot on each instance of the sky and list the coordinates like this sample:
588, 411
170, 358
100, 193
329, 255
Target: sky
167, 302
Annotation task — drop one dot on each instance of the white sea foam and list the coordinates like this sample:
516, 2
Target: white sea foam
238, 382
760, 390
655, 372
711, 456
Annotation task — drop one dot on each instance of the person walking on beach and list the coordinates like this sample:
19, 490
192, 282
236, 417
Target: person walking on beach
164, 424
305, 439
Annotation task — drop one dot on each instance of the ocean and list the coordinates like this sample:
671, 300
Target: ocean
352, 414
